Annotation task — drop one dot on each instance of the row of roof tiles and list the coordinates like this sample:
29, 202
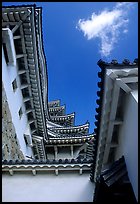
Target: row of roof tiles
114, 63
67, 141
59, 161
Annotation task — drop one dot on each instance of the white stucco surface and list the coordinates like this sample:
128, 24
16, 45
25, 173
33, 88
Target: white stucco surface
15, 102
66, 187
128, 139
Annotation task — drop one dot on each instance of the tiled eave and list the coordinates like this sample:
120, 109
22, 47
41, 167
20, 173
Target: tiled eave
70, 140
49, 165
24, 19
55, 103
107, 103
115, 172
115, 65
57, 109
63, 117
43, 61
72, 129
66, 119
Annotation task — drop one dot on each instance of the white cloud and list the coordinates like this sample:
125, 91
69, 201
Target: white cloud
125, 31
107, 26
124, 4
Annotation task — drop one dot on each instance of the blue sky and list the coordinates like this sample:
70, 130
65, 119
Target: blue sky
76, 35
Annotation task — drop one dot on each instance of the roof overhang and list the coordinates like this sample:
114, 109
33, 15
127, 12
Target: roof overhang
115, 80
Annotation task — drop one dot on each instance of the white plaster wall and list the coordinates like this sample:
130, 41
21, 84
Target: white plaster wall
128, 139
66, 187
15, 101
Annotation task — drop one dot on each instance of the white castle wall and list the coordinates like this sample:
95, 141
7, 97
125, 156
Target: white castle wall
15, 101
66, 187
128, 144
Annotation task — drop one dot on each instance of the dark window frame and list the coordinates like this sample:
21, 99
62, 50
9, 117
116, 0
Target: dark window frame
14, 85
25, 139
20, 112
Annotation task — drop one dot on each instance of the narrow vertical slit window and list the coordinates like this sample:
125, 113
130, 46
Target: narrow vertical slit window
25, 139
20, 113
14, 85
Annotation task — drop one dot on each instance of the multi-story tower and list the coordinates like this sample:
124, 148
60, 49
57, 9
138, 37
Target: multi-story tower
64, 137
35, 129
42, 129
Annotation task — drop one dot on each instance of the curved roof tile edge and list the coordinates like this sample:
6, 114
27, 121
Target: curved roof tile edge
114, 63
